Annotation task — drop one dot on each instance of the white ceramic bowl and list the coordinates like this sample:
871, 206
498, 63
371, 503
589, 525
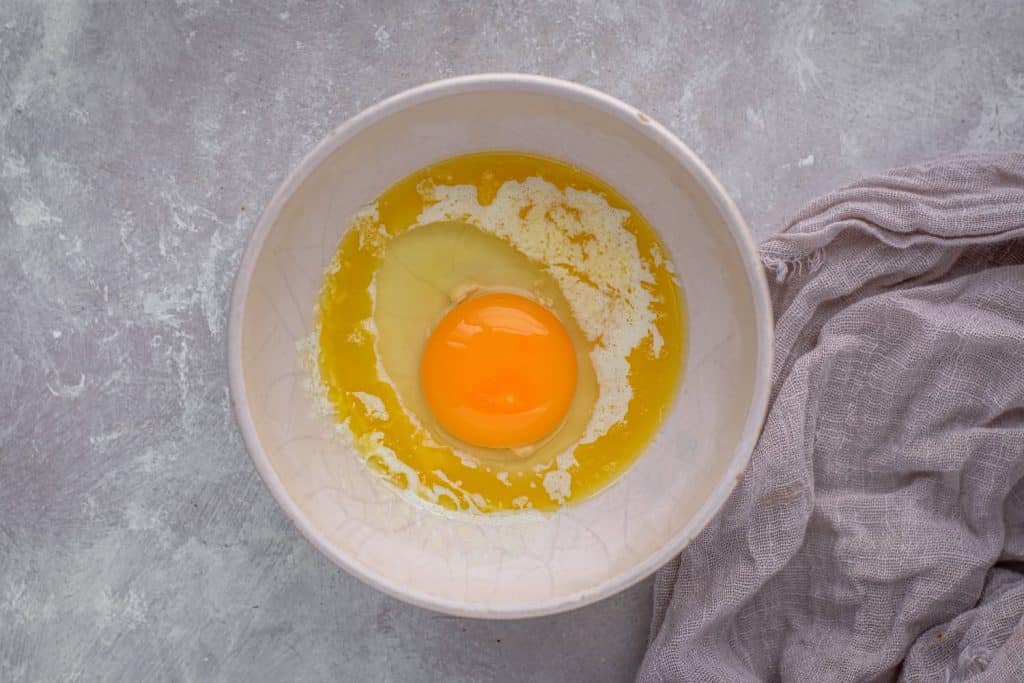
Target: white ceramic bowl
521, 565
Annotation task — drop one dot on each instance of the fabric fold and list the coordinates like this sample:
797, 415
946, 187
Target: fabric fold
878, 532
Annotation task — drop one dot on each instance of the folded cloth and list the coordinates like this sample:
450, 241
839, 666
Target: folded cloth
878, 533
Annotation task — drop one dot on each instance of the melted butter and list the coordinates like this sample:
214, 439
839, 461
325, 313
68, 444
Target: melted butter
378, 413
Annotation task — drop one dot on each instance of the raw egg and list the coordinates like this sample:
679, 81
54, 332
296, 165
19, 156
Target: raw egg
496, 332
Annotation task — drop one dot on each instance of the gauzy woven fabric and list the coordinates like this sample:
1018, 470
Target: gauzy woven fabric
878, 532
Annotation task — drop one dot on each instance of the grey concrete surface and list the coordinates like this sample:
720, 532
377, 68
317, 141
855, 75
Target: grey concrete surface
138, 142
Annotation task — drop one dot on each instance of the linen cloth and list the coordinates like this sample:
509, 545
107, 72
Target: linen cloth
878, 533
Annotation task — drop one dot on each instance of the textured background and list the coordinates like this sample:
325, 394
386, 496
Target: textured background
138, 142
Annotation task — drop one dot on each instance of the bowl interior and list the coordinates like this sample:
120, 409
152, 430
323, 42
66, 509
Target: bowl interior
524, 564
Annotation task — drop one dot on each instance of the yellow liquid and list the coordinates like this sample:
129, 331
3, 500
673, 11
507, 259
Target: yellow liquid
352, 341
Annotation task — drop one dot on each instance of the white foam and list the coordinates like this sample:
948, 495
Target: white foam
558, 485
373, 404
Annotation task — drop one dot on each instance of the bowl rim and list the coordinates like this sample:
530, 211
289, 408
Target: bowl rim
682, 155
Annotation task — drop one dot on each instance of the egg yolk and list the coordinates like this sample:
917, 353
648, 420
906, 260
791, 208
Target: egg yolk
499, 371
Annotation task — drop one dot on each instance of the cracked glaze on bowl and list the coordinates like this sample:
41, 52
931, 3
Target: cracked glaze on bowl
517, 565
